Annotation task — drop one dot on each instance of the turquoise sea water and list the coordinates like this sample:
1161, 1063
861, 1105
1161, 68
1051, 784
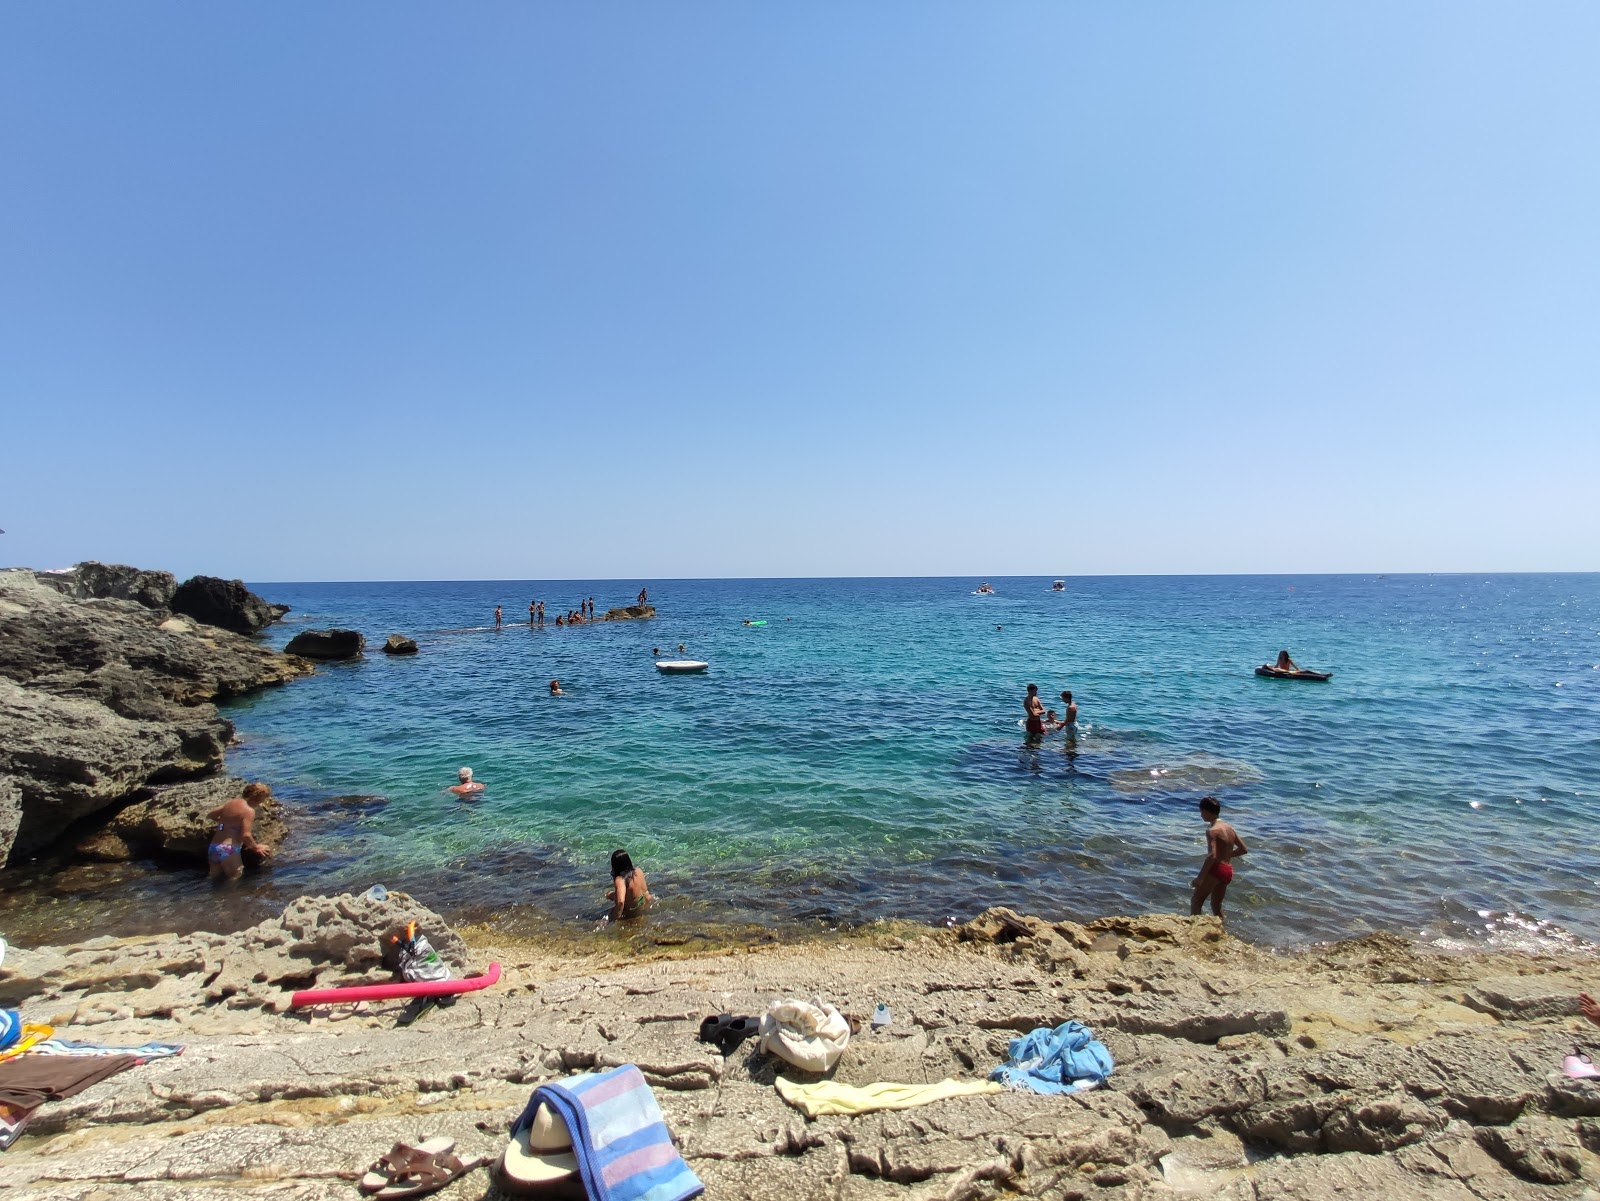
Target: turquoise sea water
860, 756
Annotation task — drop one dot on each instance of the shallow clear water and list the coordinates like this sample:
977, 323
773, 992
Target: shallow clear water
860, 756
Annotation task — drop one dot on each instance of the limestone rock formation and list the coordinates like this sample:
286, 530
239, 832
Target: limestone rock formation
225, 603
327, 644
90, 580
399, 644
629, 613
101, 698
174, 824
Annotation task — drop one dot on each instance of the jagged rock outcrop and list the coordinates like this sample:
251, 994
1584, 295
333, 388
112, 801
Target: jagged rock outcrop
399, 644
327, 644
90, 580
225, 603
629, 613
103, 697
175, 824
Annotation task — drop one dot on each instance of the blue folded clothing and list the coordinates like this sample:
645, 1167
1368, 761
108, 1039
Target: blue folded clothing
1067, 1059
623, 1148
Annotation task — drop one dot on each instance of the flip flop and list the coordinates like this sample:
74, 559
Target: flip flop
383, 1174
1579, 1066
711, 1030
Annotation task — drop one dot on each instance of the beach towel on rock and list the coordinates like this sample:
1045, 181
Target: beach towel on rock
144, 1052
829, 1097
10, 1027
31, 1080
13, 1120
623, 1147
809, 1036
1067, 1059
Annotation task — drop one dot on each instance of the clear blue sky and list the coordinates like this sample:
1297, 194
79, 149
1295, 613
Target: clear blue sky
395, 290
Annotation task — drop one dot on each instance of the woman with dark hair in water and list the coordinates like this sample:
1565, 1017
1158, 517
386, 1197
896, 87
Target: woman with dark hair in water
631, 895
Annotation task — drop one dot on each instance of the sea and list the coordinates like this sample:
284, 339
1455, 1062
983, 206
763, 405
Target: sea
854, 754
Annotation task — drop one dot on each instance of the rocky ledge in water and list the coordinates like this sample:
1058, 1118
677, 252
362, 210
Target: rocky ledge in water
106, 693
1367, 1069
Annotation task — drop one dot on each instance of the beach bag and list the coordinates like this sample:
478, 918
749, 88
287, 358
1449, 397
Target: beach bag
407, 951
811, 1037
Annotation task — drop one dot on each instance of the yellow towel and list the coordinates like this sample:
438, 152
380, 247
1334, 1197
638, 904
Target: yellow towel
816, 1100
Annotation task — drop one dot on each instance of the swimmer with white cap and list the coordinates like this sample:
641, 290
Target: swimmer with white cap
467, 786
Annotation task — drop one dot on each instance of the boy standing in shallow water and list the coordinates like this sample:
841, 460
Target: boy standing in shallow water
1222, 846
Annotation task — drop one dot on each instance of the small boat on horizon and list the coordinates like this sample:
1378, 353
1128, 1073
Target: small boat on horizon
1059, 586
983, 590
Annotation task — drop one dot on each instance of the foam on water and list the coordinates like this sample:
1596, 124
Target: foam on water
859, 756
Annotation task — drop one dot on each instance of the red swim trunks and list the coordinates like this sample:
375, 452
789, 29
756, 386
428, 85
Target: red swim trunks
1036, 725
1224, 872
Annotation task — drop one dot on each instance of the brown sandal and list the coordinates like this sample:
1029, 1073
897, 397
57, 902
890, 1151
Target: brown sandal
408, 1171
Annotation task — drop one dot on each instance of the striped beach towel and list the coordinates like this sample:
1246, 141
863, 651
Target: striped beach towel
144, 1052
623, 1147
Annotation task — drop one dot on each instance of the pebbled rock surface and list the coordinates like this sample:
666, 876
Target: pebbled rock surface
225, 603
103, 698
327, 644
1376, 1088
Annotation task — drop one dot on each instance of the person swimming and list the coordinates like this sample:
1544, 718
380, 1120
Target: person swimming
630, 892
233, 835
467, 786
555, 688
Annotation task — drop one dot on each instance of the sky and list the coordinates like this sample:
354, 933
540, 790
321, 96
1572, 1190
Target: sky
392, 290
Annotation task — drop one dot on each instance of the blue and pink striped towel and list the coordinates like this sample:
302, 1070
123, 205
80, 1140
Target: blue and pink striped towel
623, 1146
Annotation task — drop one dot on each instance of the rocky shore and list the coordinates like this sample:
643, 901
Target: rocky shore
1369, 1069
109, 683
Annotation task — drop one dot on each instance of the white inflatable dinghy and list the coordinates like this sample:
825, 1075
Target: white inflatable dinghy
680, 666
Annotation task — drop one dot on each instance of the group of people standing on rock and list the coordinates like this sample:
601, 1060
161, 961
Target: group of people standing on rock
573, 617
1223, 844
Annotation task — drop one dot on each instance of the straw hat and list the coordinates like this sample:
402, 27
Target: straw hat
541, 1152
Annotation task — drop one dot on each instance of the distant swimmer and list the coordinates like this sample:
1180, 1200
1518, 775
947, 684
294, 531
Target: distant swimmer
1069, 715
1222, 846
630, 893
680, 648
497, 617
656, 651
1034, 708
233, 836
555, 685
559, 620
468, 785
1285, 663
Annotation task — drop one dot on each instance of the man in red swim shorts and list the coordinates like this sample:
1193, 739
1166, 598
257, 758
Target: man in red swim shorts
1222, 845
1033, 707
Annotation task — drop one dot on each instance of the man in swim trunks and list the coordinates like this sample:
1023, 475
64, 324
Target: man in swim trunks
533, 612
1033, 707
497, 617
1069, 715
232, 836
468, 785
1222, 846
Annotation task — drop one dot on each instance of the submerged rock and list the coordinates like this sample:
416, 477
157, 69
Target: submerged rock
327, 644
225, 603
399, 644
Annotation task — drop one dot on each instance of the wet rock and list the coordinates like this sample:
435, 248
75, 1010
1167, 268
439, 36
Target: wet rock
90, 580
629, 613
399, 644
327, 644
225, 603
175, 824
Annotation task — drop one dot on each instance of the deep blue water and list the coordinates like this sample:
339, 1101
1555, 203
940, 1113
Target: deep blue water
860, 756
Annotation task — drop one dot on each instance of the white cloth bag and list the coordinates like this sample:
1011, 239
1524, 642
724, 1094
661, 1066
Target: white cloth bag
808, 1036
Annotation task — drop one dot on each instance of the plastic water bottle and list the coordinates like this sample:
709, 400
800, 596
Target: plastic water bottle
377, 893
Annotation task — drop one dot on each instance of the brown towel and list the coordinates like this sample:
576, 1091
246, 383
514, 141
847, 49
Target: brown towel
30, 1080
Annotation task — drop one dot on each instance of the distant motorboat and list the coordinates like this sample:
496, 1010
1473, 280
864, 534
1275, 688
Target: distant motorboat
1059, 586
983, 590
679, 667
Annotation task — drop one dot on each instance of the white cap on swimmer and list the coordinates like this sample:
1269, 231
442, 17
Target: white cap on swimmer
465, 773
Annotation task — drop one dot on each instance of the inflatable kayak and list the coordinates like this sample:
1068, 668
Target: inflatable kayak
385, 992
1273, 673
680, 666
